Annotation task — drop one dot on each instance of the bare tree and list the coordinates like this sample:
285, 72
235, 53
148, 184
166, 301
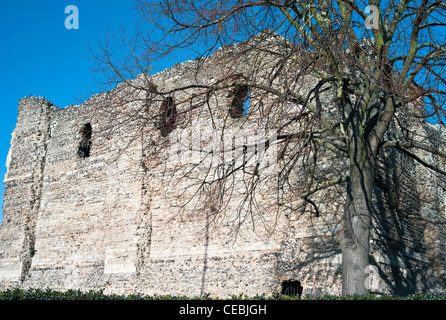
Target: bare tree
374, 65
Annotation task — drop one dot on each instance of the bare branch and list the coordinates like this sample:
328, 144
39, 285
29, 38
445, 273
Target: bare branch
411, 144
324, 185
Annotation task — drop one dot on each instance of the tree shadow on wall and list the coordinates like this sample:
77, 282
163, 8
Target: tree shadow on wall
313, 262
399, 244
397, 239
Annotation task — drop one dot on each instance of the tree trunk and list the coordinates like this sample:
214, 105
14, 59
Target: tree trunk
355, 241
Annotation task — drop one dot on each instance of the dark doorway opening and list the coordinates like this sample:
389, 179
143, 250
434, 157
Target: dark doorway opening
291, 288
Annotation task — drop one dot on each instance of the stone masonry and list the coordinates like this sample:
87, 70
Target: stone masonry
124, 219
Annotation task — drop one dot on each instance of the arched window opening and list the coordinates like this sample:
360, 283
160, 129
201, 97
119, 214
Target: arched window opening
240, 102
168, 116
291, 288
85, 143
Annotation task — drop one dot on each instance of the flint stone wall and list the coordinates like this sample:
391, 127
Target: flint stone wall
111, 221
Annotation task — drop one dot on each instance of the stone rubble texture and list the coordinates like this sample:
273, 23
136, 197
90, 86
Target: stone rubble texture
118, 220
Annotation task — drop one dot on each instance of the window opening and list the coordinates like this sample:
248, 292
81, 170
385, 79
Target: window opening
85, 143
168, 116
240, 102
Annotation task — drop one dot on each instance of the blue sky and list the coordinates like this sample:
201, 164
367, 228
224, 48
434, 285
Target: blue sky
40, 57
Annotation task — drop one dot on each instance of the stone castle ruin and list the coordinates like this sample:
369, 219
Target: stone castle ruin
98, 198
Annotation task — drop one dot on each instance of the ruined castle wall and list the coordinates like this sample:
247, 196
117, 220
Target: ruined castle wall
135, 217
63, 212
23, 188
407, 239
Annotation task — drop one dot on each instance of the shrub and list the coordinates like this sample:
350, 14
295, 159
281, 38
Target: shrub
50, 294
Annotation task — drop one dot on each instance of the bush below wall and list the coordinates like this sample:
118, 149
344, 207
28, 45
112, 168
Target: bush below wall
49, 294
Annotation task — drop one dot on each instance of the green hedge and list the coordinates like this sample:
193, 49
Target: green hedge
50, 294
